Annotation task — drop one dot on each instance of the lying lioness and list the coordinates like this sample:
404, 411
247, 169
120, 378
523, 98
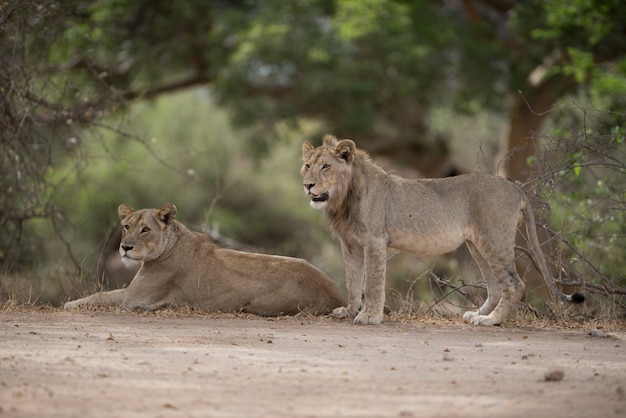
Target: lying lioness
179, 266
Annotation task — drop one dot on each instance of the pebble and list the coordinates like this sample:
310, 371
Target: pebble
554, 375
595, 332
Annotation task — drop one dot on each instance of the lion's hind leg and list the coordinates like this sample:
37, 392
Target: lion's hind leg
511, 288
496, 259
493, 285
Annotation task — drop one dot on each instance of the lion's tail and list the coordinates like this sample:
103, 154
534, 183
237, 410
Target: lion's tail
539, 258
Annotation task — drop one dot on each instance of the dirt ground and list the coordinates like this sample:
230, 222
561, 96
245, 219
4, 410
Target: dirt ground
117, 364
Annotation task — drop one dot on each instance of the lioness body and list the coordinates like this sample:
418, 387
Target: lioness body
180, 266
371, 210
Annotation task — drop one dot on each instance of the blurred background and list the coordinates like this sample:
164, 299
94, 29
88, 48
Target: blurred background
205, 104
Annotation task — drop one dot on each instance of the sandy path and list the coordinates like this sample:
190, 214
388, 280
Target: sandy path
108, 364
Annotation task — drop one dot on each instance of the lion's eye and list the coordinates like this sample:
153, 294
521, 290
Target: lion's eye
145, 229
325, 166
307, 166
126, 227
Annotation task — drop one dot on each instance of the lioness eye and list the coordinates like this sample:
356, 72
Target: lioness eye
306, 166
126, 227
325, 166
145, 229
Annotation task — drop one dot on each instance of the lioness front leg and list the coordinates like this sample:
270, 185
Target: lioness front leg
375, 266
353, 258
142, 293
115, 297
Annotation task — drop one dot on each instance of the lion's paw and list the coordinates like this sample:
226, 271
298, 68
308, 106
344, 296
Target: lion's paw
367, 318
71, 305
484, 320
469, 315
343, 312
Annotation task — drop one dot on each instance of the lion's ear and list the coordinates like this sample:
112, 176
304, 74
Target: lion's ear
345, 149
307, 148
166, 213
124, 210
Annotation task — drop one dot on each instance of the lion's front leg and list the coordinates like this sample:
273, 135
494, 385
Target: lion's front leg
105, 299
353, 258
375, 266
142, 293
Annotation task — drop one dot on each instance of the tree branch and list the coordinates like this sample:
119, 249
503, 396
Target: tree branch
196, 80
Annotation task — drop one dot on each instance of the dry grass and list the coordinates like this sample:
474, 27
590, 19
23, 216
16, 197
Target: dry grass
21, 294
519, 318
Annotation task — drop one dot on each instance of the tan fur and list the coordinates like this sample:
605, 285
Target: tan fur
370, 210
179, 266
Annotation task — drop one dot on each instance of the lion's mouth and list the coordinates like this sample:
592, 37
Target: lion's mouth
130, 262
127, 256
319, 198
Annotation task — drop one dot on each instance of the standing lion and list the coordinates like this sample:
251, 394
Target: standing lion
179, 266
370, 210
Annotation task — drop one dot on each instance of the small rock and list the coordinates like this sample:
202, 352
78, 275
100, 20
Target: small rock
595, 332
554, 375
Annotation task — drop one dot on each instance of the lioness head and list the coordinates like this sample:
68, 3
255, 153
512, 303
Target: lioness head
327, 170
145, 232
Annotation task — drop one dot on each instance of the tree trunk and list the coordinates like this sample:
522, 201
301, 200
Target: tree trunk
529, 110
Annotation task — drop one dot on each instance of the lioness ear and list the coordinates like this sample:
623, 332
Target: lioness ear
345, 149
166, 213
329, 140
124, 210
307, 148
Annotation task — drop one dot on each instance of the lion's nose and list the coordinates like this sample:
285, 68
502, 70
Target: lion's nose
127, 247
309, 186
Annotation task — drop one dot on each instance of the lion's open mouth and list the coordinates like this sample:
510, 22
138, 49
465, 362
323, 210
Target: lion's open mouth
321, 198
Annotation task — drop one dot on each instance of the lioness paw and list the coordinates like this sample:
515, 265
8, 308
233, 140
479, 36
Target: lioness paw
367, 318
343, 312
71, 305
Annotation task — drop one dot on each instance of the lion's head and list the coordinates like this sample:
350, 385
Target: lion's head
145, 232
327, 170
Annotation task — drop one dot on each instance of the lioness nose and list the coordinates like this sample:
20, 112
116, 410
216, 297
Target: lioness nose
126, 247
309, 185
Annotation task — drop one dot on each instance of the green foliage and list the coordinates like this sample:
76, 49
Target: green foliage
588, 22
589, 34
595, 227
588, 202
365, 68
353, 66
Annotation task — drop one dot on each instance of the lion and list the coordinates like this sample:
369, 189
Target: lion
370, 210
183, 267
